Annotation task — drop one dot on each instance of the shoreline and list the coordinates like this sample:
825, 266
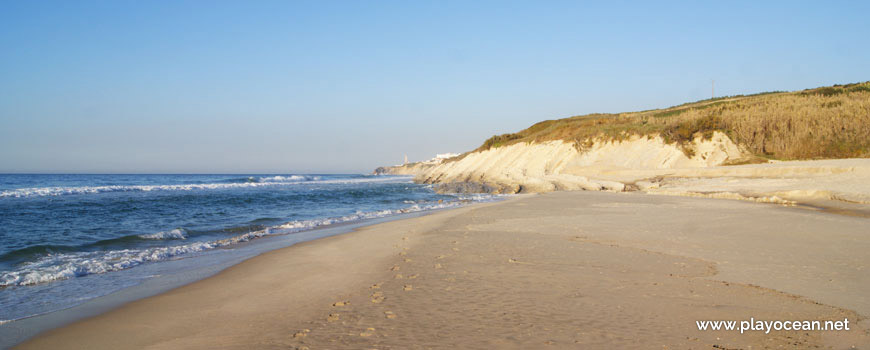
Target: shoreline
463, 264
15, 332
340, 232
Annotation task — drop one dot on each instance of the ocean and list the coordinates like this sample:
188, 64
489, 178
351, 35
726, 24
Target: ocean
66, 239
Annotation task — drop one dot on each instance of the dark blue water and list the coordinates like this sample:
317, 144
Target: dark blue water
68, 238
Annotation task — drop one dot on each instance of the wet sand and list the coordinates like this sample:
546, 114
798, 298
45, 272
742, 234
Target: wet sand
589, 270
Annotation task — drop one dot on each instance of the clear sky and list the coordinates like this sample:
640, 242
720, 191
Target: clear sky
334, 86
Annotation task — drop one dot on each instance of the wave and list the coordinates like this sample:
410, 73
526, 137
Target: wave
63, 265
276, 178
241, 180
290, 178
268, 181
32, 252
178, 233
36, 250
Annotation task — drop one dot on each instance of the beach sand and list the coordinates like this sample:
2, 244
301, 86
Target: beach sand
590, 270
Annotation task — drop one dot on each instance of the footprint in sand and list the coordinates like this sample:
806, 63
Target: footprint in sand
340, 303
398, 276
377, 297
376, 286
368, 332
440, 257
389, 315
301, 334
413, 276
437, 266
332, 317
408, 287
408, 260
395, 268
402, 253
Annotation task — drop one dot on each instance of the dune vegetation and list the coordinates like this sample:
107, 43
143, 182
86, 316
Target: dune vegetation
826, 122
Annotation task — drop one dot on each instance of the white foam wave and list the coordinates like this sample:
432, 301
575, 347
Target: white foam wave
68, 265
177, 233
284, 181
289, 178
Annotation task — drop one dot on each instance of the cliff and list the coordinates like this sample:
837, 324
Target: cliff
765, 147
558, 165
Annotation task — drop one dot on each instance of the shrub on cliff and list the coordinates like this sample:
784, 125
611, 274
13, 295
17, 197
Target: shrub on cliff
827, 122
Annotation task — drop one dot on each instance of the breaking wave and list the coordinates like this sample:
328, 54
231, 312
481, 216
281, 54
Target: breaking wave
254, 182
178, 233
276, 178
63, 265
290, 178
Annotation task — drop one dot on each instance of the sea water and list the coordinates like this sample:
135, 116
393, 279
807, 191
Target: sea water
65, 239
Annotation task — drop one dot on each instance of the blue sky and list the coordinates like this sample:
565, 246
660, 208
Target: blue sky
334, 86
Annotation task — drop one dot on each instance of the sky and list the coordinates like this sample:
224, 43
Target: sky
346, 86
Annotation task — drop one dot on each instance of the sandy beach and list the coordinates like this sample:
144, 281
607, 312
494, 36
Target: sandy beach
434, 175
560, 270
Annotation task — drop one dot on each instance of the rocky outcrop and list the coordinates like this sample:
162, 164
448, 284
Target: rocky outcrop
415, 168
405, 169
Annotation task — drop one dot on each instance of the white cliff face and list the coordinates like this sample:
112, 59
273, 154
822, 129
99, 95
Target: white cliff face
511, 168
650, 165
559, 165
654, 153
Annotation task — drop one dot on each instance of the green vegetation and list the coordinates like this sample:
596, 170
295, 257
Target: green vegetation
499, 140
837, 89
826, 122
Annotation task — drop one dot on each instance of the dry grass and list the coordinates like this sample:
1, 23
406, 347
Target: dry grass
827, 122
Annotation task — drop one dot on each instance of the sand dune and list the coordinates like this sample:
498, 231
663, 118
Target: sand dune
842, 180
